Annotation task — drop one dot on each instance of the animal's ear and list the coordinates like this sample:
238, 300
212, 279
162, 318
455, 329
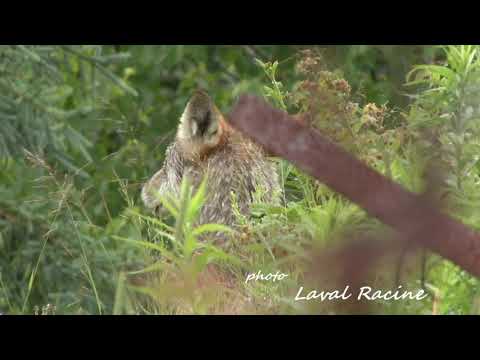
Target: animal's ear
200, 91
200, 115
200, 100
202, 109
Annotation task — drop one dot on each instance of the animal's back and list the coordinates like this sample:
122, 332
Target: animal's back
231, 164
238, 168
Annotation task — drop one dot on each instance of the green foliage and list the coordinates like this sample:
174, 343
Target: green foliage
84, 126
449, 110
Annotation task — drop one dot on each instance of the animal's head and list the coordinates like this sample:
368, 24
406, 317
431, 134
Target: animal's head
202, 126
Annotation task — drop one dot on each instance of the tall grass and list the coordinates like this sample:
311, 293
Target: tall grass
96, 257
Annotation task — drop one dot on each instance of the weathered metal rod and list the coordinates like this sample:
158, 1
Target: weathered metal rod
406, 212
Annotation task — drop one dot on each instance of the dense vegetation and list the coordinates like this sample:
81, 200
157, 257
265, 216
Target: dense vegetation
82, 127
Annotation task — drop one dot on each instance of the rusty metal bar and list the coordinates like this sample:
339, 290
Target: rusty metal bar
410, 214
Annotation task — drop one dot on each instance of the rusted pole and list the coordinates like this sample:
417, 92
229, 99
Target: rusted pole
408, 213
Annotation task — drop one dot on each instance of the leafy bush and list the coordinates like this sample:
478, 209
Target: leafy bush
84, 126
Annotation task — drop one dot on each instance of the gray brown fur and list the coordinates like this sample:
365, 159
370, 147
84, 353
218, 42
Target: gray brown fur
235, 165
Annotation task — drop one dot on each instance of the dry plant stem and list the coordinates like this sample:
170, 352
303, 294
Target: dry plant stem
410, 214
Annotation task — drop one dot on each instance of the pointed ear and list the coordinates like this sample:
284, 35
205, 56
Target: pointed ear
200, 101
197, 116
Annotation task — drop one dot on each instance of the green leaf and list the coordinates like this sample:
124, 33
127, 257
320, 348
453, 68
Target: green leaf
204, 228
260, 63
196, 202
69, 164
79, 142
